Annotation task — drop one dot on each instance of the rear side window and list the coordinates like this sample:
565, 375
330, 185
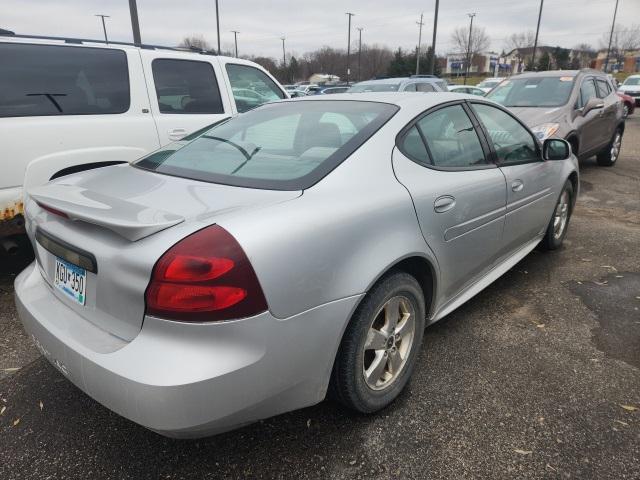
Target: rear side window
251, 87
603, 88
40, 80
452, 141
411, 87
426, 87
186, 86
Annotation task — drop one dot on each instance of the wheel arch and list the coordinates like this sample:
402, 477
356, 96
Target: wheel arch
574, 141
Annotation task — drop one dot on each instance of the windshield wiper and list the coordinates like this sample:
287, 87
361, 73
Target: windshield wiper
51, 98
243, 151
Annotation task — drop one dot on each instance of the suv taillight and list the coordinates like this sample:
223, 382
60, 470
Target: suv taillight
204, 277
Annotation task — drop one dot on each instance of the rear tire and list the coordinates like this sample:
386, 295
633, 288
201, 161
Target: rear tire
559, 224
380, 345
608, 156
625, 110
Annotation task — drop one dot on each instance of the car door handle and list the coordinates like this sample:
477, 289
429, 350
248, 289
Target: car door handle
444, 203
177, 133
517, 185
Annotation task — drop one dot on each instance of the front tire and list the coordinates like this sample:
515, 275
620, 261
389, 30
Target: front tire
608, 157
380, 345
559, 224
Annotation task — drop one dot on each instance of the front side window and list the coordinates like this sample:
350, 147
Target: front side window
587, 92
38, 80
251, 87
512, 142
533, 91
186, 86
283, 146
451, 139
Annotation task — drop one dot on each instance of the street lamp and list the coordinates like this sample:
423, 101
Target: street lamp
471, 15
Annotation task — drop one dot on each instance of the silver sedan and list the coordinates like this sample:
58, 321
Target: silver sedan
297, 249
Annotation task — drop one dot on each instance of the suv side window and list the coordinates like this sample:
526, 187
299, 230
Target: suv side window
38, 80
410, 87
186, 86
587, 91
603, 88
425, 87
251, 87
451, 139
512, 142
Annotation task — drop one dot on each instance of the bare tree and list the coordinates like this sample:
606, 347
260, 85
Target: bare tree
623, 40
519, 41
582, 54
479, 40
195, 41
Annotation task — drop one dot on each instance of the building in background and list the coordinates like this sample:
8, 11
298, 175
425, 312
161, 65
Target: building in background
629, 62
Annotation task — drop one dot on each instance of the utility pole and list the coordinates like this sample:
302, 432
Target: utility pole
432, 61
104, 28
349, 44
420, 23
469, 55
284, 60
235, 39
135, 25
359, 51
606, 62
218, 25
535, 43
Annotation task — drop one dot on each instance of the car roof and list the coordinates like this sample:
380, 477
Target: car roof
561, 73
401, 99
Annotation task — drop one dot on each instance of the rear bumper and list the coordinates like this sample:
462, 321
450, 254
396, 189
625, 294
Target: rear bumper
11, 211
189, 380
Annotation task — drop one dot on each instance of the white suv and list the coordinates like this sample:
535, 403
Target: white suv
68, 105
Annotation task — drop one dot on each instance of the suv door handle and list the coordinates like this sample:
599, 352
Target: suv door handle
517, 185
177, 133
444, 203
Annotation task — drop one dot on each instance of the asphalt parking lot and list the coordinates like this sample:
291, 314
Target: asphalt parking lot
536, 377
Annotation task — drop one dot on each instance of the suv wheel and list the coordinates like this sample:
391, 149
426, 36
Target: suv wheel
625, 110
608, 156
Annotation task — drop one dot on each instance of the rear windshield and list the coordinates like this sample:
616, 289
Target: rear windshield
39, 80
280, 146
374, 87
533, 92
632, 81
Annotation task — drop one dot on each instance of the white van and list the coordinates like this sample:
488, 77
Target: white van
67, 105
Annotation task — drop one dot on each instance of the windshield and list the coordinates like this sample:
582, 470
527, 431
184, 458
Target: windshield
488, 83
374, 87
632, 81
533, 92
281, 146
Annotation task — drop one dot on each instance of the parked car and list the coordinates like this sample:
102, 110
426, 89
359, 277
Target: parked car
578, 105
467, 89
331, 90
631, 87
198, 289
628, 104
489, 84
400, 84
89, 105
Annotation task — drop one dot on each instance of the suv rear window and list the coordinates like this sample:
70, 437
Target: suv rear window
39, 80
279, 146
186, 86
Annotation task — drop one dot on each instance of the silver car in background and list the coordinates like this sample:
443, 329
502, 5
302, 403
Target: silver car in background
299, 248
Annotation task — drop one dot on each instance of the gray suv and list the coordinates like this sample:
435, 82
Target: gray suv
580, 106
415, 83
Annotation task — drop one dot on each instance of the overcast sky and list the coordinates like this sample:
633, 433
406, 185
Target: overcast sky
308, 25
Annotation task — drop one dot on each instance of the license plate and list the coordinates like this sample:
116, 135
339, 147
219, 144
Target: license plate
71, 280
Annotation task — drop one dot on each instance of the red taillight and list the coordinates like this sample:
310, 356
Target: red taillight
55, 211
204, 277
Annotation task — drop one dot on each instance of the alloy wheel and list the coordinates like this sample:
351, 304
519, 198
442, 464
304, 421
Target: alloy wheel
615, 147
389, 342
561, 215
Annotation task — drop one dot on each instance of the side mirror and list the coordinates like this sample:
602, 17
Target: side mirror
593, 103
556, 149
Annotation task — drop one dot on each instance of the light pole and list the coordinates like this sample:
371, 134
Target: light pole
469, 57
359, 50
235, 39
218, 25
104, 28
606, 62
284, 60
433, 43
420, 23
135, 25
349, 43
535, 43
